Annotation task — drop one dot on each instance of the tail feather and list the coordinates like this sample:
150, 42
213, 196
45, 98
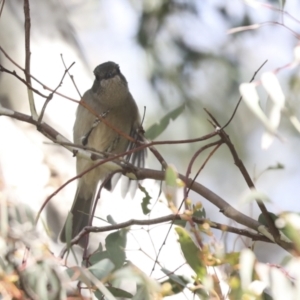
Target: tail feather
81, 211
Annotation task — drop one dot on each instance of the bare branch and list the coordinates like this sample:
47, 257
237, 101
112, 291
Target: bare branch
45, 87
71, 76
2, 69
51, 94
27, 26
140, 174
166, 219
240, 99
238, 162
2, 5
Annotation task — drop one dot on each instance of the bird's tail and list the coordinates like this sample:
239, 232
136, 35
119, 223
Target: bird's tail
81, 211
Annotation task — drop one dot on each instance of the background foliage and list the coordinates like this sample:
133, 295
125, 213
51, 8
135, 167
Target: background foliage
179, 57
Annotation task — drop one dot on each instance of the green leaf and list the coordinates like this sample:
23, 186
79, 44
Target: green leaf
156, 129
201, 214
115, 246
289, 224
98, 256
247, 261
177, 279
171, 176
262, 220
68, 229
43, 281
255, 195
146, 200
145, 285
231, 258
116, 292
171, 180
181, 223
177, 282
102, 268
23, 214
279, 166
191, 252
111, 220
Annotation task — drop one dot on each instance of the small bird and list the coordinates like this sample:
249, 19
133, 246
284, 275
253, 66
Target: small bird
110, 98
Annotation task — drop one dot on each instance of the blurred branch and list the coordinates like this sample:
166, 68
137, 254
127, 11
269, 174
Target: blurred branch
238, 162
27, 26
23, 285
13, 73
45, 87
165, 219
71, 76
140, 174
240, 99
257, 26
2, 5
217, 144
51, 94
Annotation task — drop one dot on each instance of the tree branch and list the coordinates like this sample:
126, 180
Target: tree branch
27, 26
165, 219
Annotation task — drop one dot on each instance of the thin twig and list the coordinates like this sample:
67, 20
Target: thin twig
240, 99
94, 113
197, 237
165, 219
259, 25
141, 174
280, 10
27, 26
3, 69
45, 87
238, 162
71, 76
217, 144
51, 95
2, 5
159, 157
186, 190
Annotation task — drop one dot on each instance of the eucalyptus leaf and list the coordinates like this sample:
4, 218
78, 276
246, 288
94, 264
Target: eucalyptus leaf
68, 229
181, 223
111, 220
177, 282
116, 292
156, 129
191, 252
171, 176
145, 201
262, 220
201, 214
102, 268
115, 244
98, 256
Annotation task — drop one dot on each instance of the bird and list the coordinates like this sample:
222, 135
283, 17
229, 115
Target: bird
110, 98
